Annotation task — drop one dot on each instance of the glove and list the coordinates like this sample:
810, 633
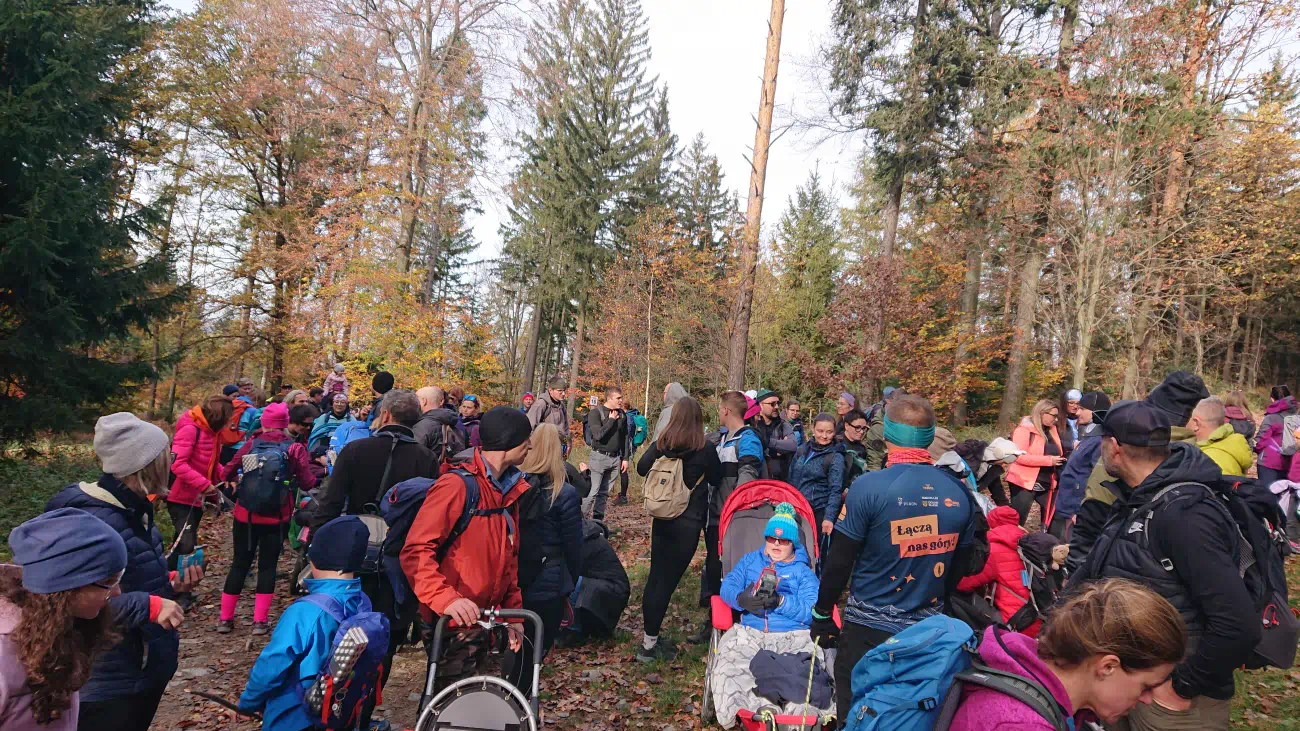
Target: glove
823, 629
750, 603
773, 601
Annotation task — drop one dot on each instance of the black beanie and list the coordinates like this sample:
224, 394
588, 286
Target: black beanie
383, 382
503, 428
1178, 396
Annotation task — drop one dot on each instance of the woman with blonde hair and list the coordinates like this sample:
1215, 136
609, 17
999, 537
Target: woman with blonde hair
1105, 648
550, 529
1032, 476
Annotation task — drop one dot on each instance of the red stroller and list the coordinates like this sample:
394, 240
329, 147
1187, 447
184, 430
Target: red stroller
740, 531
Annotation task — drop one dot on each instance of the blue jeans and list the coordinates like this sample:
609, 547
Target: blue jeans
604, 475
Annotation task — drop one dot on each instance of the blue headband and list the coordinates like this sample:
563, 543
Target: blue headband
906, 435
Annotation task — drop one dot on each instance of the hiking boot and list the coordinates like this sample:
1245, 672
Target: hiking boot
225, 626
261, 628
704, 634
663, 650
620, 500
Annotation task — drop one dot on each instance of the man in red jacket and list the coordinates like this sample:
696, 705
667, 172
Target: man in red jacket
480, 568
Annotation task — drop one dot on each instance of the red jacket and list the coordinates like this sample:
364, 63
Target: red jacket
299, 462
483, 564
1004, 567
196, 450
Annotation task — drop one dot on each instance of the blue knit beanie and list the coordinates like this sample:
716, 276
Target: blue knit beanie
66, 549
782, 524
339, 545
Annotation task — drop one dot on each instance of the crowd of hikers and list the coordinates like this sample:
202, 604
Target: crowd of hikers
1104, 565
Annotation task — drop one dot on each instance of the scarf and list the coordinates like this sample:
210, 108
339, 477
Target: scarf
908, 455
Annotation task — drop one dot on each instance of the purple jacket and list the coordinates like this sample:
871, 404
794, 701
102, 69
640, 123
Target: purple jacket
988, 710
15, 696
1269, 441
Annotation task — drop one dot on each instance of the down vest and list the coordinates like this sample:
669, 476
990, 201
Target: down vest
146, 657
195, 451
1004, 567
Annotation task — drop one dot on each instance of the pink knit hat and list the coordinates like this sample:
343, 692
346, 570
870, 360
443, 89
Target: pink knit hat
275, 416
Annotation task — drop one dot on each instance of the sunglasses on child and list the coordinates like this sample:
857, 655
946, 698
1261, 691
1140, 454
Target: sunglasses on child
778, 541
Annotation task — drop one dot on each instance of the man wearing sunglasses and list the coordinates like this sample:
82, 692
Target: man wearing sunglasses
777, 435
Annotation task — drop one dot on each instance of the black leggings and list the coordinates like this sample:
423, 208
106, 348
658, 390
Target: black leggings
262, 541
133, 712
712, 582
855, 641
1021, 499
672, 546
187, 517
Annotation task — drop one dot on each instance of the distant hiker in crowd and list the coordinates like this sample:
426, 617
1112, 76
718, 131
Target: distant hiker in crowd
610, 449
673, 540
673, 393
1078, 467
54, 623
1101, 653
876, 411
987, 462
196, 449
336, 381
469, 418
480, 569
266, 480
1218, 440
1238, 412
243, 421
1033, 476
792, 410
1069, 428
855, 428
301, 420
897, 550
550, 541
438, 429
316, 395
1184, 545
381, 384
776, 434
327, 423
549, 408
296, 397
300, 647
1273, 465
127, 683
817, 472
527, 402
843, 405
637, 431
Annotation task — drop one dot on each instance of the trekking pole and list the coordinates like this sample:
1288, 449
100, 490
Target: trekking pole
227, 705
812, 665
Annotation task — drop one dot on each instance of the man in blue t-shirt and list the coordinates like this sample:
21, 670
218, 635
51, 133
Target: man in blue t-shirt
903, 543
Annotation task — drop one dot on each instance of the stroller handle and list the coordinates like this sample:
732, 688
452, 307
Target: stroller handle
492, 618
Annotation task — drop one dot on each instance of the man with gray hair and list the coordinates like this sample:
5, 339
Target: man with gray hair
1216, 437
437, 428
549, 408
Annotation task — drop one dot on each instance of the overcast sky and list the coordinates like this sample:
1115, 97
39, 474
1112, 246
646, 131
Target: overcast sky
710, 54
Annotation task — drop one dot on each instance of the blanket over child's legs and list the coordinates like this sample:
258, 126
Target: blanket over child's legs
733, 684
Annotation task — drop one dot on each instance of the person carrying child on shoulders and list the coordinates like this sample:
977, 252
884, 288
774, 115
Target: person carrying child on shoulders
301, 645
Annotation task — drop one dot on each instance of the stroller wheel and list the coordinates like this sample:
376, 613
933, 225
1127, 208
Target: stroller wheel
481, 703
706, 700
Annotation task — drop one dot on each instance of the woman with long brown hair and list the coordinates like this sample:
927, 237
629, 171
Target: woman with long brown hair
1033, 475
196, 450
673, 541
53, 617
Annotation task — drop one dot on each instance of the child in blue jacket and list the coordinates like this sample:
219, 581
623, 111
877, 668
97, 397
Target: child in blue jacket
300, 646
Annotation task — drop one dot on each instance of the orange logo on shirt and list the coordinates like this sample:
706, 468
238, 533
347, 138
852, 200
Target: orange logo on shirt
910, 528
913, 547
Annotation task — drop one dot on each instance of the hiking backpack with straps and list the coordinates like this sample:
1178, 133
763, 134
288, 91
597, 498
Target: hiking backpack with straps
1263, 548
665, 490
266, 477
373, 518
1026, 690
356, 665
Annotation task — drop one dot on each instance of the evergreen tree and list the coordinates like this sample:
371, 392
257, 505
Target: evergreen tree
72, 283
706, 210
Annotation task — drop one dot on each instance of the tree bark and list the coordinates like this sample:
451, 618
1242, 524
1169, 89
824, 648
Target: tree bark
970, 296
574, 367
1225, 374
530, 355
739, 345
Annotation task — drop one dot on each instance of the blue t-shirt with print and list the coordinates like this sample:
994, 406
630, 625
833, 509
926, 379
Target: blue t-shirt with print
911, 519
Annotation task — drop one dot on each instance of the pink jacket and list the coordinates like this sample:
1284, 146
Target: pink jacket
15, 696
299, 462
1024, 472
196, 452
983, 709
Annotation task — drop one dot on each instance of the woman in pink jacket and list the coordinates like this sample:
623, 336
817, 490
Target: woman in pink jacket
196, 447
1104, 650
1033, 475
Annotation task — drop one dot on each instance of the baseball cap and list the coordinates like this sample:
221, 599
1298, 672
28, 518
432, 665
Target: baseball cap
1137, 424
1073, 394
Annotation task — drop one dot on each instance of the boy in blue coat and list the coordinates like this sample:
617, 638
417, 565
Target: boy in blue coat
300, 646
789, 606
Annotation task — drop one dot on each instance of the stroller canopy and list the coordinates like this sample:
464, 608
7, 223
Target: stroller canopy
745, 516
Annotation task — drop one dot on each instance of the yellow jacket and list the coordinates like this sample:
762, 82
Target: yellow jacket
1229, 450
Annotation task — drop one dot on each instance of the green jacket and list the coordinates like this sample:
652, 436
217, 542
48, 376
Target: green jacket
1096, 491
1229, 450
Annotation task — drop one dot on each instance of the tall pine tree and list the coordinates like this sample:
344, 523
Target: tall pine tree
706, 210
72, 281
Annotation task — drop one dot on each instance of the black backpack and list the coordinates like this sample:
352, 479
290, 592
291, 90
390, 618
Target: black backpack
1040, 582
265, 478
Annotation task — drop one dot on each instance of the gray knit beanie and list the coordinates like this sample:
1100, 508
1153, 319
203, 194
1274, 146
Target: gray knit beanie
125, 445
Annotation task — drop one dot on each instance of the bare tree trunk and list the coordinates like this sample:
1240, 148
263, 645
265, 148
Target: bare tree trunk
1140, 332
1244, 362
1226, 374
1259, 354
577, 355
970, 296
649, 312
739, 345
1180, 329
530, 355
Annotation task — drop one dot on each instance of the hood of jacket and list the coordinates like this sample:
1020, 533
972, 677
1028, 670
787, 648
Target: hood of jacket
1185, 463
674, 393
1004, 527
1236, 412
1015, 653
1003, 515
440, 415
1226, 439
1282, 406
195, 414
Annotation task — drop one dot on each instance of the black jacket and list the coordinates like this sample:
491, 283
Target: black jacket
780, 444
428, 430
360, 467
700, 469
1187, 552
608, 435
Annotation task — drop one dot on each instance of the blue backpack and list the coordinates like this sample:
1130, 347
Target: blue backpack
335, 699
265, 479
901, 683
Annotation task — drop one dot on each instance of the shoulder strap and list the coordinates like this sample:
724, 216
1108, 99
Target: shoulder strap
388, 466
329, 605
1023, 689
471, 507
100, 494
